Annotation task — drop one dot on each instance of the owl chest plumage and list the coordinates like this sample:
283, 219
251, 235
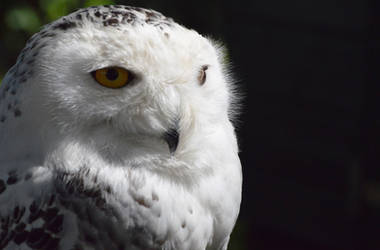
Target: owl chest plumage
135, 214
82, 210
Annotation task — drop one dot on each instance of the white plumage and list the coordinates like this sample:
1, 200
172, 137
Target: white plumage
150, 165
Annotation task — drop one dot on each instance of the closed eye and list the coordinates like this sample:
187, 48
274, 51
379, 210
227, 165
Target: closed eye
202, 75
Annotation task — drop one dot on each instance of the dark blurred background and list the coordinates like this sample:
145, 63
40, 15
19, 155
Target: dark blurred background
309, 130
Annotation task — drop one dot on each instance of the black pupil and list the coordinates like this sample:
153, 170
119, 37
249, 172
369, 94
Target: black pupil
112, 74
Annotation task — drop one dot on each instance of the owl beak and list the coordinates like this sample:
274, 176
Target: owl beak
171, 137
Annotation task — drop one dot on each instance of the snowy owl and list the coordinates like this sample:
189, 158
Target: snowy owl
116, 133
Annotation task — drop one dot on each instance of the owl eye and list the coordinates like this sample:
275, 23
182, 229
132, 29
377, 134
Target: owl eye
202, 75
112, 77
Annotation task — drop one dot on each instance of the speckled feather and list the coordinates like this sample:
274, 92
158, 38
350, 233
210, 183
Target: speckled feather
153, 165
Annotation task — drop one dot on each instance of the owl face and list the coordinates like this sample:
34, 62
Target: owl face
123, 72
167, 74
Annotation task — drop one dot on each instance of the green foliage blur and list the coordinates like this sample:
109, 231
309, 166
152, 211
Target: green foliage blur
21, 19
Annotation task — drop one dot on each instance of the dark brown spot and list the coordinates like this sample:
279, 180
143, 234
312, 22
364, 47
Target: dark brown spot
79, 17
2, 186
50, 214
65, 25
20, 227
142, 202
111, 22
17, 113
20, 236
129, 18
52, 243
12, 179
37, 238
97, 14
34, 216
33, 207
138, 9
151, 14
55, 225
35, 212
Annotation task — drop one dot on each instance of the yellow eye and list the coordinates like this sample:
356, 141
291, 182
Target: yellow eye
112, 77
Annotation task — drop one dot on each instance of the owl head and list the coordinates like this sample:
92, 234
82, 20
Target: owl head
113, 72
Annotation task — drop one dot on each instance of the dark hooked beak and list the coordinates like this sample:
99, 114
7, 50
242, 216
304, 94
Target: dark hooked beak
171, 137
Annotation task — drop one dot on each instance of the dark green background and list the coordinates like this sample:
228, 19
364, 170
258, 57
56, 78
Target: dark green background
309, 130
